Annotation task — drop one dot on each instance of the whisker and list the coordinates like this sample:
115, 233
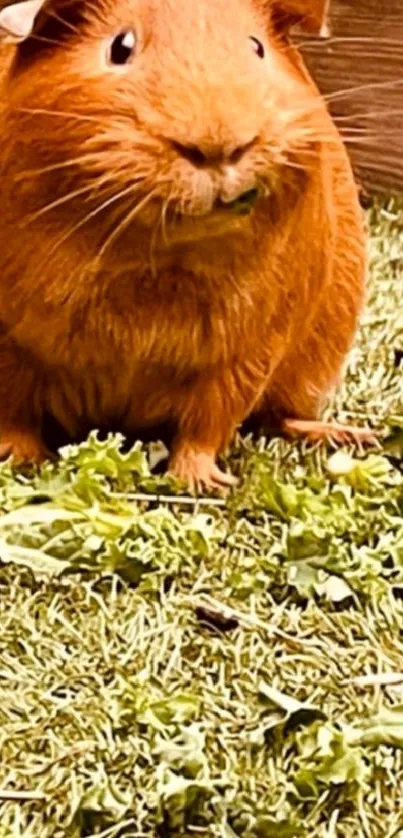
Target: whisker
160, 223
312, 107
47, 40
351, 136
84, 158
128, 190
300, 167
365, 133
55, 167
66, 23
182, 207
348, 39
378, 85
125, 223
59, 201
368, 115
363, 141
65, 114
378, 167
164, 211
92, 214
347, 138
176, 208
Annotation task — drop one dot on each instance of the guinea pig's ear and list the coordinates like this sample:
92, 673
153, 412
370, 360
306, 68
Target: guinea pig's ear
17, 21
309, 15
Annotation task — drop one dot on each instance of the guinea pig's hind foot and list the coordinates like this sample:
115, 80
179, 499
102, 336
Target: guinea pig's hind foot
23, 445
199, 470
329, 431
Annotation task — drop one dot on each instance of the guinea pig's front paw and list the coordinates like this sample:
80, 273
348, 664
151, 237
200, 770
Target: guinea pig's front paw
199, 470
23, 446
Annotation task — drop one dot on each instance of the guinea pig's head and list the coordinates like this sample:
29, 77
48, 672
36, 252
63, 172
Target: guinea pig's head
182, 110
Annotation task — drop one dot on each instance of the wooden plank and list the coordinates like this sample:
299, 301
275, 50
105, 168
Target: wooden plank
365, 58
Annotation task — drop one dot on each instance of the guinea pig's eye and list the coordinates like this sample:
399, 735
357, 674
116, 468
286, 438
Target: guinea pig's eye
258, 47
122, 48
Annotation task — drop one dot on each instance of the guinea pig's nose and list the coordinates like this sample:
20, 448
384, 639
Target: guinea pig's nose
205, 154
192, 153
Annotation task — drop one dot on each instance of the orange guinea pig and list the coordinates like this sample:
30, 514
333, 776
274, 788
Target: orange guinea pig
181, 238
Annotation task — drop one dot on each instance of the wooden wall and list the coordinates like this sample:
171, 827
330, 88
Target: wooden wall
366, 51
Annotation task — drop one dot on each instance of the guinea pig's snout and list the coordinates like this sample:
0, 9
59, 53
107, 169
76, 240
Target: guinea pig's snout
222, 161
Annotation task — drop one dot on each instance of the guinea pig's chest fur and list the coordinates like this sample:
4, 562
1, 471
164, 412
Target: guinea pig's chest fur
120, 338
180, 310
130, 352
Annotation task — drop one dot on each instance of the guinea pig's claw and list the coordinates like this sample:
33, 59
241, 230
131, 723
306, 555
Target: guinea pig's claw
328, 431
199, 470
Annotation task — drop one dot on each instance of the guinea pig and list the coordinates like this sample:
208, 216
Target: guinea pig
181, 236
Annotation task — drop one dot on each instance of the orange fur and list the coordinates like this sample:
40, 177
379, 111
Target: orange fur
128, 297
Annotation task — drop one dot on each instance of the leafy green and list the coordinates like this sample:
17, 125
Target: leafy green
383, 728
328, 758
271, 828
294, 713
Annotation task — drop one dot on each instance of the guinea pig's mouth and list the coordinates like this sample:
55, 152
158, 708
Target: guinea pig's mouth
242, 205
220, 209
188, 222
